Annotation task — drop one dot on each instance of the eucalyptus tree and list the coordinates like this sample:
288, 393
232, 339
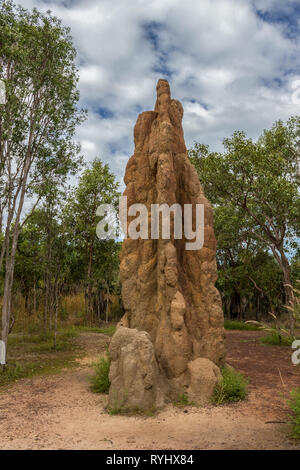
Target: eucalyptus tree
97, 186
261, 180
249, 279
37, 120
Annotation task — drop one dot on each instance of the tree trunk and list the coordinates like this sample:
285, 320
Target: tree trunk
89, 285
6, 305
34, 296
56, 314
107, 301
8, 284
288, 289
46, 301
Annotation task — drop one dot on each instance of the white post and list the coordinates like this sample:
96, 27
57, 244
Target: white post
2, 92
2, 353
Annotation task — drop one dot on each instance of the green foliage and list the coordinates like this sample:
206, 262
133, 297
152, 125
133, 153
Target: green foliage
294, 309
182, 400
100, 382
38, 122
233, 387
17, 369
114, 410
100, 258
97, 186
294, 404
278, 334
106, 330
275, 339
58, 253
34, 354
258, 178
237, 325
254, 187
48, 346
41, 79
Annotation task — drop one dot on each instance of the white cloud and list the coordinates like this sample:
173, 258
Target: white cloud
230, 68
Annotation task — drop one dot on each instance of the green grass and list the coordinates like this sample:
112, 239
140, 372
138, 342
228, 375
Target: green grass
100, 381
31, 355
106, 330
274, 339
34, 354
182, 400
238, 325
48, 346
63, 335
43, 342
294, 404
233, 388
16, 370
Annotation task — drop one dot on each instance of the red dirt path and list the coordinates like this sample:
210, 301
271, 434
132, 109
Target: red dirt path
60, 412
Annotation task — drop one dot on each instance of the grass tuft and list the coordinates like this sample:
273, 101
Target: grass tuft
100, 382
182, 400
106, 330
294, 404
239, 325
233, 387
274, 339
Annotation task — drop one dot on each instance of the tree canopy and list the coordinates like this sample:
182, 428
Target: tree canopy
254, 186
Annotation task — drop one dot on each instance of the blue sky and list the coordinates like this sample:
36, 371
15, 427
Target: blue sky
232, 64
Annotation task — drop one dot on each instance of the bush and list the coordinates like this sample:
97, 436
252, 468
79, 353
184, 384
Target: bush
100, 382
275, 339
294, 404
182, 400
239, 325
233, 387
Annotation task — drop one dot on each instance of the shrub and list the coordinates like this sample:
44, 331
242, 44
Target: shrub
233, 387
182, 400
278, 334
100, 382
294, 404
239, 325
275, 339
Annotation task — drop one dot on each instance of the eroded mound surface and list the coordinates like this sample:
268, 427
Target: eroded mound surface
168, 290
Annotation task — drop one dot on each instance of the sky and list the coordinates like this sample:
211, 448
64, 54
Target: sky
234, 65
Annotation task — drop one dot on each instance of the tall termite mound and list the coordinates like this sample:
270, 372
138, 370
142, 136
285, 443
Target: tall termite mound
168, 291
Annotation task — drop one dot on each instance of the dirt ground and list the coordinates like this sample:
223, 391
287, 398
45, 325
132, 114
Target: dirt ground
60, 412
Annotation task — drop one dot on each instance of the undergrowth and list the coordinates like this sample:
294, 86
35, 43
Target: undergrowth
238, 325
294, 404
38, 354
100, 381
19, 370
233, 387
182, 400
275, 339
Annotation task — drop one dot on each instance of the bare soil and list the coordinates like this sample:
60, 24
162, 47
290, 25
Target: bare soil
60, 411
